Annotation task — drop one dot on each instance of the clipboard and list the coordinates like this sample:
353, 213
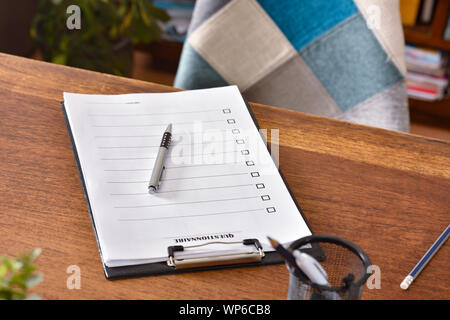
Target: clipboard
255, 257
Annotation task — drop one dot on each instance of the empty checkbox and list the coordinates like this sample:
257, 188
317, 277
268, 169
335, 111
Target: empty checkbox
271, 210
226, 111
265, 197
231, 121
250, 163
255, 174
240, 141
245, 152
235, 131
260, 186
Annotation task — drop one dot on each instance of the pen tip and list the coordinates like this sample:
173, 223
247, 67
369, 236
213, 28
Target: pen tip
169, 128
274, 243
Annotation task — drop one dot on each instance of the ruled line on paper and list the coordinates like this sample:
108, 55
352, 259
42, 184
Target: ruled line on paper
150, 114
175, 156
160, 135
193, 215
141, 136
174, 145
182, 190
175, 167
116, 159
181, 203
212, 176
187, 178
127, 102
155, 124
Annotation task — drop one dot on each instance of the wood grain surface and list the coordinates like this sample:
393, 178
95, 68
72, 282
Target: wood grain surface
386, 191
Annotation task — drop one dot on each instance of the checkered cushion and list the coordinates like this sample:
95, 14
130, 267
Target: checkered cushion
341, 59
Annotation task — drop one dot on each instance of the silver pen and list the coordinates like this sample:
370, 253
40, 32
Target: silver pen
158, 168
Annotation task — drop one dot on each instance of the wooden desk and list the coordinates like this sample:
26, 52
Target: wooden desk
388, 192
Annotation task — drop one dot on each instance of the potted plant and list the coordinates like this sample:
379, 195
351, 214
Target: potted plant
108, 30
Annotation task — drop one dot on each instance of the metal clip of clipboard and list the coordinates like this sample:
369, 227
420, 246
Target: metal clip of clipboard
227, 259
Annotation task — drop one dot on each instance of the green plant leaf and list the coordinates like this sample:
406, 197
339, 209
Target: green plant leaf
17, 275
128, 18
3, 270
60, 59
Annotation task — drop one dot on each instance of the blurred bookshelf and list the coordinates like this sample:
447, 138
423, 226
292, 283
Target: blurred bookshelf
430, 34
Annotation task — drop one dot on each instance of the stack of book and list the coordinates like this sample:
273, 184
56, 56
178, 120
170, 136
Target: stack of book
427, 76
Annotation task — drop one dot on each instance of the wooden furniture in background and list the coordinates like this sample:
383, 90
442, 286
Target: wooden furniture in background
431, 36
386, 191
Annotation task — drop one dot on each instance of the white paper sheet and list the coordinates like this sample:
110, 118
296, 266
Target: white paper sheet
220, 183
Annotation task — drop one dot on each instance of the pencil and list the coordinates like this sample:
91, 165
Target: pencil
287, 256
425, 259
